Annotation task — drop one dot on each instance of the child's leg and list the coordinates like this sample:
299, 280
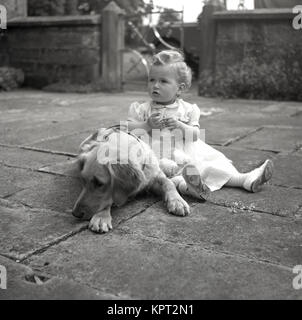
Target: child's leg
191, 184
253, 180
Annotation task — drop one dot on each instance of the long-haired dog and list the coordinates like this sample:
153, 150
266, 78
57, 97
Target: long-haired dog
114, 166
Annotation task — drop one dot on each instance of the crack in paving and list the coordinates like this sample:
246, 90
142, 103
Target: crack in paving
69, 235
211, 251
38, 277
238, 138
46, 276
60, 136
296, 114
9, 257
68, 154
56, 173
285, 186
138, 213
40, 170
248, 209
226, 205
265, 150
14, 193
53, 243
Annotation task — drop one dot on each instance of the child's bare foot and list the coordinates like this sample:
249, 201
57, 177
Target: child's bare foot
196, 187
259, 176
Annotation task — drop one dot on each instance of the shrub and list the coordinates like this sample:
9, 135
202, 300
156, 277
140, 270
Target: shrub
250, 80
10, 78
46, 7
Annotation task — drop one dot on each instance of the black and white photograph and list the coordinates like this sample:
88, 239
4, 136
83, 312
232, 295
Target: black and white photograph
150, 153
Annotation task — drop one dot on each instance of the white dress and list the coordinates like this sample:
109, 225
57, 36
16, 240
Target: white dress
214, 167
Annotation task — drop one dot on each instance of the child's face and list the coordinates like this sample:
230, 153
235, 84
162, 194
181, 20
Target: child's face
163, 86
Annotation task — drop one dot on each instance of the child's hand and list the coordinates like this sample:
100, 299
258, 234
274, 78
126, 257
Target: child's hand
171, 123
154, 121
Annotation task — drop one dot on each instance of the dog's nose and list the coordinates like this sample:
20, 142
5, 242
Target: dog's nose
78, 213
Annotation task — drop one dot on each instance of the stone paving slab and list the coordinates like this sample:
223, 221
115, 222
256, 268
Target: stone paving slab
285, 109
59, 193
237, 245
250, 234
51, 192
298, 214
63, 107
28, 158
24, 231
276, 139
247, 119
35, 113
20, 286
67, 168
234, 107
275, 200
288, 171
222, 136
19, 135
228, 105
153, 269
67, 144
298, 152
13, 180
243, 159
287, 168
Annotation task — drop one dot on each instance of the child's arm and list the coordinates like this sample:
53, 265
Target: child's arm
153, 122
192, 131
138, 125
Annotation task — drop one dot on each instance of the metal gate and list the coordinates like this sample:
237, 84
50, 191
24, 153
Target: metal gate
149, 39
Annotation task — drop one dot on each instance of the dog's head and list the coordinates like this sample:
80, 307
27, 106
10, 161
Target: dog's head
108, 175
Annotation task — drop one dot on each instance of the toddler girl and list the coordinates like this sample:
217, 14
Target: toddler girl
195, 167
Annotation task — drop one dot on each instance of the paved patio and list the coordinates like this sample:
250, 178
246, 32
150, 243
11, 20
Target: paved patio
237, 245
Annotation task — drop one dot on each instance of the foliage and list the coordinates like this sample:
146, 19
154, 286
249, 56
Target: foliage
10, 78
46, 7
96, 6
133, 8
63, 7
277, 80
168, 15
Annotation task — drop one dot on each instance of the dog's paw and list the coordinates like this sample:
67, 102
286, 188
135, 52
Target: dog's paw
100, 224
177, 206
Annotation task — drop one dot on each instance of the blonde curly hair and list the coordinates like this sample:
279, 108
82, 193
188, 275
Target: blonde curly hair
176, 60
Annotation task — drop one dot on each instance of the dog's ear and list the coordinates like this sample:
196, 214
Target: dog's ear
127, 179
89, 142
80, 162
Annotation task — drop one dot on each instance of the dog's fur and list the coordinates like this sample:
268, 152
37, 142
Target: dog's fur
107, 181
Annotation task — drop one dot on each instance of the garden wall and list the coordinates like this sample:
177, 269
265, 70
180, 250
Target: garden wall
256, 49
266, 35
53, 49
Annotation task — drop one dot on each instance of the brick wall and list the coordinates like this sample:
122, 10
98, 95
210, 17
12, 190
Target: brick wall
52, 49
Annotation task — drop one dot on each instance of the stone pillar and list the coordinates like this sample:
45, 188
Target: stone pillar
15, 8
208, 35
113, 34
